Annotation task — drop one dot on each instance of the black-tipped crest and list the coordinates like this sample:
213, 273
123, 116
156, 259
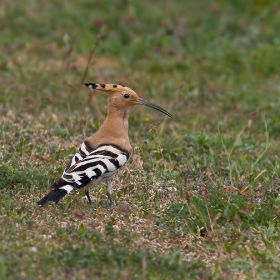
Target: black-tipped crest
106, 87
91, 85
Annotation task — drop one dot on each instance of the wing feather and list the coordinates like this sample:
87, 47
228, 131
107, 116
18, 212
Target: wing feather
95, 166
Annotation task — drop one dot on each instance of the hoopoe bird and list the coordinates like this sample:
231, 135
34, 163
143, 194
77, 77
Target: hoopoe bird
102, 154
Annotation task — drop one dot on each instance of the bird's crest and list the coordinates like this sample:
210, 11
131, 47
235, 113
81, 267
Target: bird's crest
108, 87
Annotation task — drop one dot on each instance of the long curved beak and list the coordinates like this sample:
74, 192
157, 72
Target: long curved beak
152, 105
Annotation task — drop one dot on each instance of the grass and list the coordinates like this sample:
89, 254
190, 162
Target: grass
200, 197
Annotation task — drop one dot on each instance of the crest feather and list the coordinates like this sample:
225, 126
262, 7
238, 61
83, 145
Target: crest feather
107, 87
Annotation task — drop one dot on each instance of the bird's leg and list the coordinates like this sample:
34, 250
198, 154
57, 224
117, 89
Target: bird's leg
87, 194
109, 186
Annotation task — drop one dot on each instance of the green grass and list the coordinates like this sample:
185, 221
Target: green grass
200, 198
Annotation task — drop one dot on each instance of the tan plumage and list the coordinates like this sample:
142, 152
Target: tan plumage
115, 127
104, 152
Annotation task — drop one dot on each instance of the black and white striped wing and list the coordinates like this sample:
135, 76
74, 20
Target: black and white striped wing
82, 153
98, 165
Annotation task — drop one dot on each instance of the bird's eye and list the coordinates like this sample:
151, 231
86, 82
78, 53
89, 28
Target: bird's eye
126, 95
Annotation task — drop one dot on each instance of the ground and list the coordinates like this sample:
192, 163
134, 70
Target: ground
200, 198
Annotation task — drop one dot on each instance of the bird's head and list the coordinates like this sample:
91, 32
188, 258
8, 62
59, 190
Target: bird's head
124, 97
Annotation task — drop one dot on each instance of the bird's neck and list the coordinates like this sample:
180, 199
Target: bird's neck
114, 130
116, 123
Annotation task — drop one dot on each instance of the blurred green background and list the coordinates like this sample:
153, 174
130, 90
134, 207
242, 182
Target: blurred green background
225, 52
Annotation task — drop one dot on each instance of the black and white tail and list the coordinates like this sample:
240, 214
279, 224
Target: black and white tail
55, 195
